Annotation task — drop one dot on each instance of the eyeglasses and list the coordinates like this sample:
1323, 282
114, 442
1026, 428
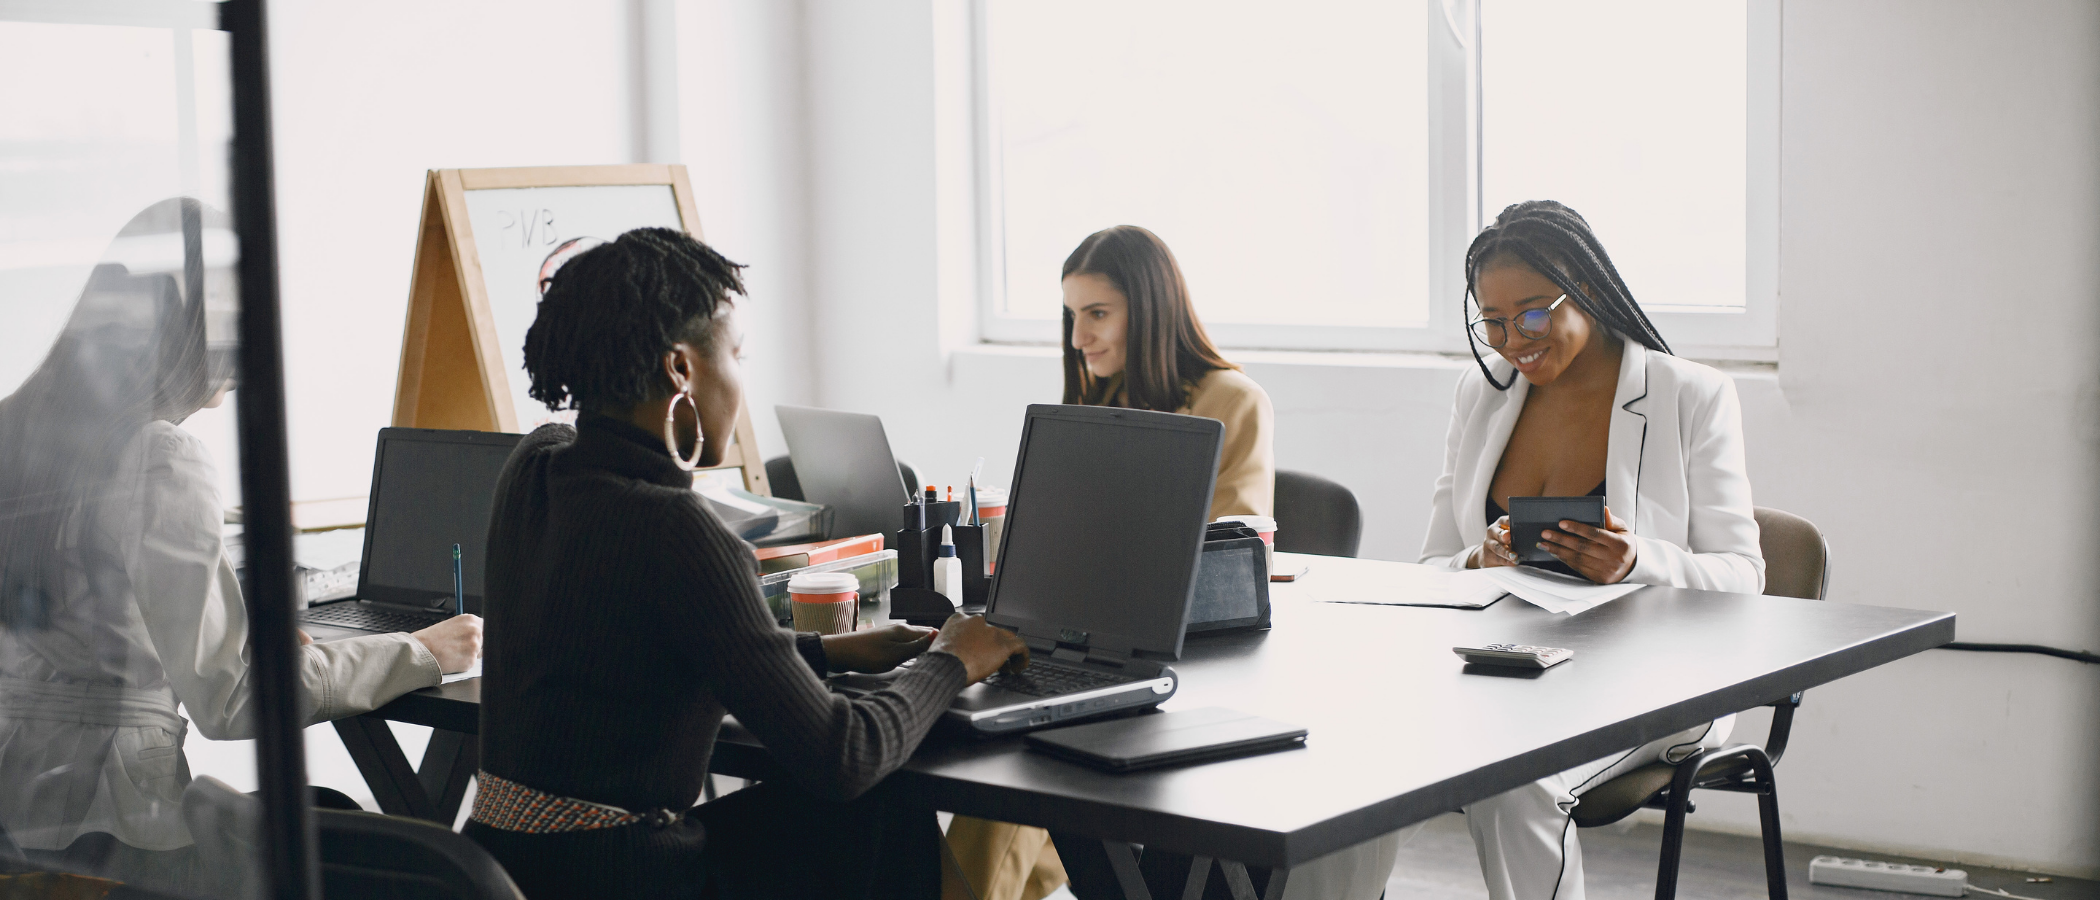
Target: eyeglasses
1531, 323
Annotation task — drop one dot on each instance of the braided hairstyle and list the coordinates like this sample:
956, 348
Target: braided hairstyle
1556, 242
611, 313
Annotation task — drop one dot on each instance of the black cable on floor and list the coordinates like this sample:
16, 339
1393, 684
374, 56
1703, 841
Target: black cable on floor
2073, 655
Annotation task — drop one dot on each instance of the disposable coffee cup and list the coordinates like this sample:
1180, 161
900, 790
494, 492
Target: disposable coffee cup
825, 602
991, 509
1263, 526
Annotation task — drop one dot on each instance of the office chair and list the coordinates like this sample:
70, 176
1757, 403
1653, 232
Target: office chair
1797, 564
780, 472
1315, 515
362, 854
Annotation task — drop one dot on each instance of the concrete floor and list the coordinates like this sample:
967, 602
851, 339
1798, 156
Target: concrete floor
1439, 864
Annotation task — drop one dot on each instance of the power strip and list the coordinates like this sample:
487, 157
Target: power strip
1883, 876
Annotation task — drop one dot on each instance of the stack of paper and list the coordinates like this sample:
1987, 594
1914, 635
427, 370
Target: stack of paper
1338, 580
1554, 592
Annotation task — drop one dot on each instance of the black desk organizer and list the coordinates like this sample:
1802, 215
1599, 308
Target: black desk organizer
1231, 591
913, 599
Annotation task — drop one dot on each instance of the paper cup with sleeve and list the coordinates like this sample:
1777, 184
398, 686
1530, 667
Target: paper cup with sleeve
825, 602
991, 510
1262, 525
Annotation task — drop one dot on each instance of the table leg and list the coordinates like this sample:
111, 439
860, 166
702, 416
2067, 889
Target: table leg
449, 762
434, 792
1115, 870
1101, 870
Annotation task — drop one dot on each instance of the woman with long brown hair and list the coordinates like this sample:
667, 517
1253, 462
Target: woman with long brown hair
1131, 339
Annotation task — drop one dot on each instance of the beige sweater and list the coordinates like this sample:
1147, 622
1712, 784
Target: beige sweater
1247, 463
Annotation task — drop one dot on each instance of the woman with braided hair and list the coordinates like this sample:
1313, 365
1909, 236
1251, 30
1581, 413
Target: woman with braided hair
1582, 396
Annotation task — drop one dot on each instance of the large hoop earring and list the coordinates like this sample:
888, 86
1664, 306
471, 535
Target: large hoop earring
671, 431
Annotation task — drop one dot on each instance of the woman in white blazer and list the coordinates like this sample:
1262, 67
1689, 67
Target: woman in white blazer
1601, 408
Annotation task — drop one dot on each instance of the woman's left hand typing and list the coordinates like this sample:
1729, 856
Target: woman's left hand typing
1603, 555
876, 649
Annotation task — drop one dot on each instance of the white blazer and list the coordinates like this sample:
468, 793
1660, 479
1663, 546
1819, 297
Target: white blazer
1673, 471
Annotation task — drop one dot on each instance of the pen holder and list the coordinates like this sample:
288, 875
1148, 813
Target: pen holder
972, 546
920, 606
917, 549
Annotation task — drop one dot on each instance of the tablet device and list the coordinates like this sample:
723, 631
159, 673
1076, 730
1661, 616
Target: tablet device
1530, 515
1150, 741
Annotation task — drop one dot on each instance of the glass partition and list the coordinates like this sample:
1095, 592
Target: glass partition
123, 628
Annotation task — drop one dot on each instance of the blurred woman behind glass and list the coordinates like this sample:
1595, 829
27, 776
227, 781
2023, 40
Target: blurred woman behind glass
117, 601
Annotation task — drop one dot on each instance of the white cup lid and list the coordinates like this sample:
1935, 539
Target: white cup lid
823, 583
990, 496
1258, 523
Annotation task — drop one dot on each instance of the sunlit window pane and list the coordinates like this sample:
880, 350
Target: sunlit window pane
1633, 113
1278, 149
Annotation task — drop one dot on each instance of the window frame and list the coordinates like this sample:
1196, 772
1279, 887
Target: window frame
1455, 209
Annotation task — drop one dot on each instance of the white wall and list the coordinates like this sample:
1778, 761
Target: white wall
1935, 407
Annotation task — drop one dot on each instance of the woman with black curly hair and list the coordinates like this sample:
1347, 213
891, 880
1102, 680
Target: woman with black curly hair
624, 621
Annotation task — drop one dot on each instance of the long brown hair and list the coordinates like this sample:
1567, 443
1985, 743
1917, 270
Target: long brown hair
1165, 348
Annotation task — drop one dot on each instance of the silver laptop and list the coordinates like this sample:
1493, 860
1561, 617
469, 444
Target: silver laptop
431, 490
843, 461
1104, 527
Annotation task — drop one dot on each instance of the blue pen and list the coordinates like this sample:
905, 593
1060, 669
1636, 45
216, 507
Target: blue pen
459, 583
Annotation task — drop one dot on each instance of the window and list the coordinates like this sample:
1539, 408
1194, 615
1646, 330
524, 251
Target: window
1320, 167
1288, 154
1656, 120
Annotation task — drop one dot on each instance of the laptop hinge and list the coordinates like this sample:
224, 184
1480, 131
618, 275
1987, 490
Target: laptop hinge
1069, 654
1108, 657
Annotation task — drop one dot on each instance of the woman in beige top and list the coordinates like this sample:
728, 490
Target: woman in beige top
1132, 340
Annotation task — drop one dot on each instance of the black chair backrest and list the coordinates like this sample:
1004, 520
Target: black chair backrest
780, 471
1315, 515
362, 854
372, 855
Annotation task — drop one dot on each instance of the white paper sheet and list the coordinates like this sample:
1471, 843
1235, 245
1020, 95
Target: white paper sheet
473, 671
1554, 592
1337, 580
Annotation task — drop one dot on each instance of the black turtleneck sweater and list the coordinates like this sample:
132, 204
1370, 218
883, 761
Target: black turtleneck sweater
623, 621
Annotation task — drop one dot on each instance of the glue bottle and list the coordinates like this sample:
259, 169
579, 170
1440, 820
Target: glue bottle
947, 570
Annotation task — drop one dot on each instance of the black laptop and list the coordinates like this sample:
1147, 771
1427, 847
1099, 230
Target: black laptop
1104, 525
431, 490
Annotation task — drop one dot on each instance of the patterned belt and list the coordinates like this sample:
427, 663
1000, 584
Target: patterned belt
506, 805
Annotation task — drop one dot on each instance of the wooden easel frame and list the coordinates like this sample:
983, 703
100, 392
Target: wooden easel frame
452, 373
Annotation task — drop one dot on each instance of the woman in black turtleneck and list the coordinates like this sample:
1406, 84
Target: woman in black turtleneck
623, 622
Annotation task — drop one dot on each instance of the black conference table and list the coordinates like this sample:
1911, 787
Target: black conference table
1401, 730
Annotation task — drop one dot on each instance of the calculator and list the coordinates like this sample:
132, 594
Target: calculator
1522, 656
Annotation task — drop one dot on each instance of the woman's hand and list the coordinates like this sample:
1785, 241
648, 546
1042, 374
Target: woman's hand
1603, 555
1494, 549
984, 648
456, 642
876, 649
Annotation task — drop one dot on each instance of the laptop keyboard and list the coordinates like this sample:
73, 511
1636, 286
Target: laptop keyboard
1046, 679
365, 617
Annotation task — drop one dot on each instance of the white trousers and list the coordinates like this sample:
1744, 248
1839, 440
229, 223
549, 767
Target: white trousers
1526, 836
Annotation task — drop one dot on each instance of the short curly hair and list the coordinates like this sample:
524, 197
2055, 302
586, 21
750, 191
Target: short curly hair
611, 313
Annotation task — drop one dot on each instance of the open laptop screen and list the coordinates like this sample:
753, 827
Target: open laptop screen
430, 489
1104, 525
